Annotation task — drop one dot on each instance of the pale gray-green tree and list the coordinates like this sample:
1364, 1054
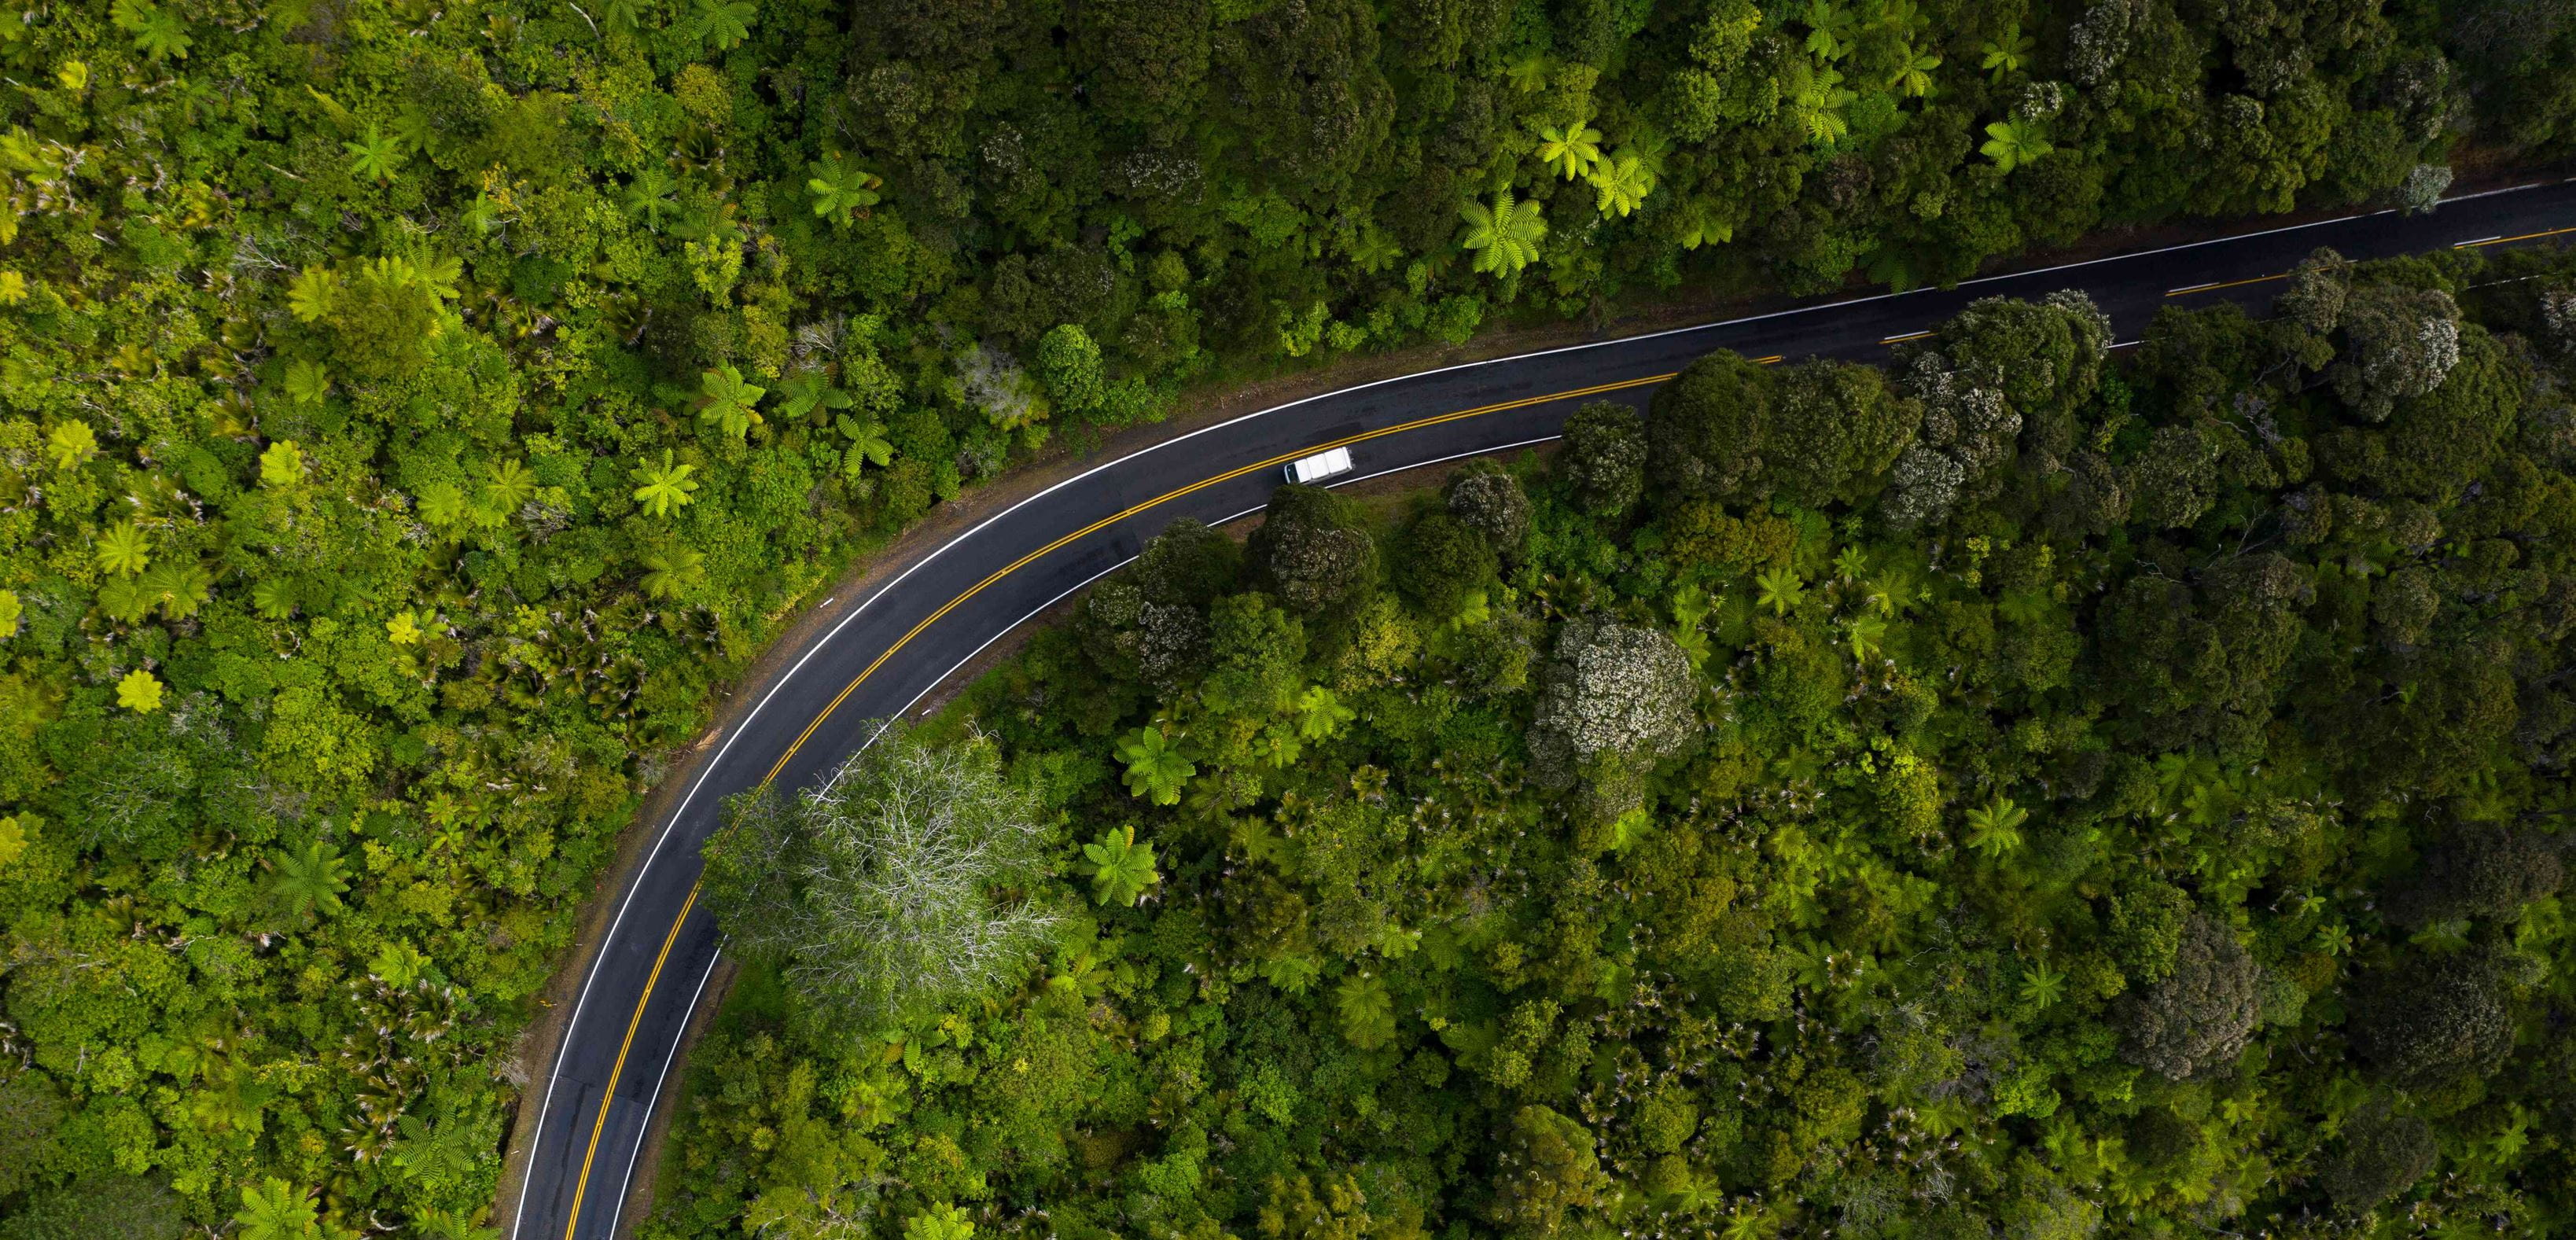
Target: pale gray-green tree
895, 890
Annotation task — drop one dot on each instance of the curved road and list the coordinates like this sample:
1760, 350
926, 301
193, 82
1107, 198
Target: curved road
955, 599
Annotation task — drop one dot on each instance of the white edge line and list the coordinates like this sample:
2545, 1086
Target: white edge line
2196, 288
563, 1051
2169, 249
2194, 245
653, 1100
2490, 193
2462, 245
977, 652
546, 1103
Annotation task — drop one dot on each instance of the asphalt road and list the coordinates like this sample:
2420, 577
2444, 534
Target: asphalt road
939, 612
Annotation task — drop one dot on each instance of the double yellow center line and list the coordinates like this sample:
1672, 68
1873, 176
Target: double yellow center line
2480, 243
2487, 241
599, 1125
1165, 498
2215, 285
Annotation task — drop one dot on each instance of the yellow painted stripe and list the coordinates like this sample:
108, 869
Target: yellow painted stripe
2471, 245
2211, 288
1902, 339
609, 1095
1167, 497
1766, 361
599, 1126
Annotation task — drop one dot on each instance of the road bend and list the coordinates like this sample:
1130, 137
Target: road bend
952, 600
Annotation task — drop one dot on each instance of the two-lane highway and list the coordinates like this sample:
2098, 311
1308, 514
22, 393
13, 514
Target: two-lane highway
593, 1106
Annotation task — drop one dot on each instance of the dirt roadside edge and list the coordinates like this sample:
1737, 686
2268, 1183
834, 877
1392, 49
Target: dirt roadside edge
538, 1045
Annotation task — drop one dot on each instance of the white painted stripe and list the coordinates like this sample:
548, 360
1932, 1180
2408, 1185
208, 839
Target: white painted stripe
545, 1105
654, 1099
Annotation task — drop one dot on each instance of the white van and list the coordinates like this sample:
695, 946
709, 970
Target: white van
1312, 469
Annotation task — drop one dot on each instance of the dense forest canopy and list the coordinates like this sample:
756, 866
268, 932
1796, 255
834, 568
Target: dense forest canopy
409, 410
2012, 794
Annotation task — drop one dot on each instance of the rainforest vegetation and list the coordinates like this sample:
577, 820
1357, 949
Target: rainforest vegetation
410, 410
2006, 794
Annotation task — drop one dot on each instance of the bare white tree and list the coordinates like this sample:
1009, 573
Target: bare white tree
894, 890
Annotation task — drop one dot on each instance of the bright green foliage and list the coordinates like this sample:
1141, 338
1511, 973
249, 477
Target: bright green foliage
1570, 150
1781, 590
482, 215
673, 571
307, 382
665, 486
648, 197
1365, 1011
1621, 183
1913, 77
139, 691
2042, 986
1320, 714
939, 1222
1503, 236
1823, 101
1829, 25
157, 32
2015, 143
375, 155
276, 1210
315, 291
308, 881
1156, 770
1068, 367
1867, 636
1994, 828
11, 608
728, 402
124, 550
276, 597
281, 464
1121, 869
868, 444
723, 24
71, 444
2004, 55
1374, 250
809, 392
842, 191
